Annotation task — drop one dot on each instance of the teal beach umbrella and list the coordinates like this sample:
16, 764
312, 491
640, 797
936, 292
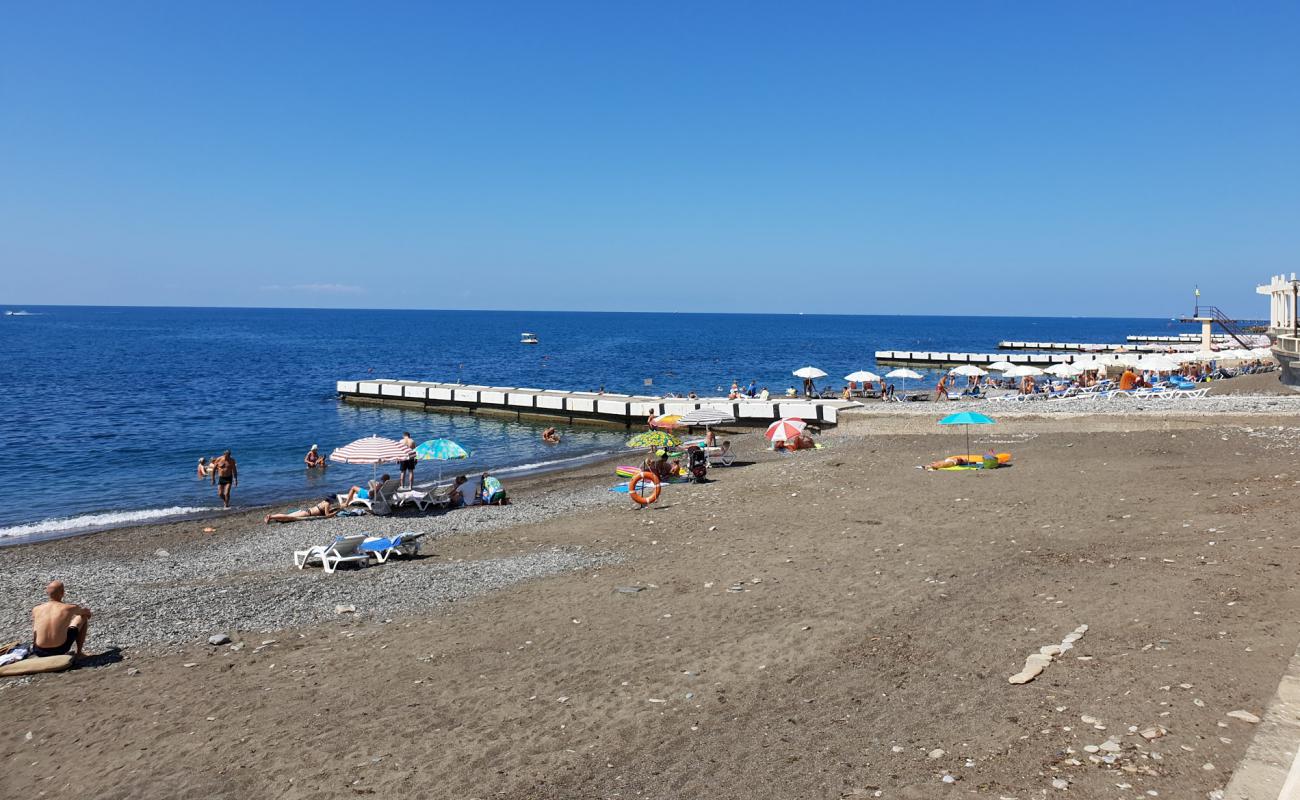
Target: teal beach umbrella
966, 419
440, 450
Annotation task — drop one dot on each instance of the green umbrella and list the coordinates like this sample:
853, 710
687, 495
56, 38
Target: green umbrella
654, 439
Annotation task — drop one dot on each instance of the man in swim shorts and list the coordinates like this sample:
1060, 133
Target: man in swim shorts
225, 474
57, 626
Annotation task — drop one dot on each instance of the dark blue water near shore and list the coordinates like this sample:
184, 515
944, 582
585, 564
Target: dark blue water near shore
106, 410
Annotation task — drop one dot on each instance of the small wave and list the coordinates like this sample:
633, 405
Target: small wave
553, 464
107, 519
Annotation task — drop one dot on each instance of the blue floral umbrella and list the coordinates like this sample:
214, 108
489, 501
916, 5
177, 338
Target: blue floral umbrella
440, 450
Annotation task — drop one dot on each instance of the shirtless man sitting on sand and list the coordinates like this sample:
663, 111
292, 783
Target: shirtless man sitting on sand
57, 626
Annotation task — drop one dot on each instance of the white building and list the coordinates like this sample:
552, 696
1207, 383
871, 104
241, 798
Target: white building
1283, 292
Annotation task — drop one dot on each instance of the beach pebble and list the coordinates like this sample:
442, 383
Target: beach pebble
1244, 716
132, 671
161, 553
1208, 767
341, 609
218, 638
28, 737
628, 589
896, 749
1151, 734
1060, 783
1091, 748
936, 753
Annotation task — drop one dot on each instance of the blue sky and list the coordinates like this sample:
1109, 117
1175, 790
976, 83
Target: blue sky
855, 157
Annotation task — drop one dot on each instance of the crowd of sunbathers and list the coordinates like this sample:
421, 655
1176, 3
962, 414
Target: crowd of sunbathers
490, 493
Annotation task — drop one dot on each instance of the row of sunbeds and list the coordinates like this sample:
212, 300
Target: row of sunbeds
1109, 390
360, 549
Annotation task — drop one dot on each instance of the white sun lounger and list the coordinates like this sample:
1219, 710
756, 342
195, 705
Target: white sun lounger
406, 543
342, 549
378, 502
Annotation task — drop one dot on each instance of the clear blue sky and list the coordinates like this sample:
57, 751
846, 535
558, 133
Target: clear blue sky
857, 157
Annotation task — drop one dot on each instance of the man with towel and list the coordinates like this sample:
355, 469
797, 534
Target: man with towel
57, 626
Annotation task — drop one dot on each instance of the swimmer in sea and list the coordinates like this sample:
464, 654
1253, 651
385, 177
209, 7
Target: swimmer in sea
551, 436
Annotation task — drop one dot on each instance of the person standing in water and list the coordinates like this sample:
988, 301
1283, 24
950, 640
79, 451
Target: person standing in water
225, 474
407, 479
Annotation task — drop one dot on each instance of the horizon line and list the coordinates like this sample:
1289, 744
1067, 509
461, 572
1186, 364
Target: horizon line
20, 306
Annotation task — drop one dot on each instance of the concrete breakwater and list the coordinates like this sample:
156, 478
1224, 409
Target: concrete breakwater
554, 404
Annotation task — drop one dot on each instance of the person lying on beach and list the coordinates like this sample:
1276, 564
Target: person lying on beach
950, 461
322, 509
314, 460
551, 436
58, 626
366, 493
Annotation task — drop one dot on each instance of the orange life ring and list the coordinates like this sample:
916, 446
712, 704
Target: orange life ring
636, 496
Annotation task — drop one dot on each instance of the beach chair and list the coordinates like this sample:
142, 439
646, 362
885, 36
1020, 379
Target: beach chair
377, 502
381, 549
428, 495
342, 550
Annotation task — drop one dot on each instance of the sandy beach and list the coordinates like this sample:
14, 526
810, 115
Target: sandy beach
827, 624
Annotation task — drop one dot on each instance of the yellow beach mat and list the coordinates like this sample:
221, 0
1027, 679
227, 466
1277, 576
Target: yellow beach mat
32, 666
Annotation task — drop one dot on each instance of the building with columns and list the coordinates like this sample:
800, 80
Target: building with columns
1284, 324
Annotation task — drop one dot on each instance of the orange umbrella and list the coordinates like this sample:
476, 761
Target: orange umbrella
666, 422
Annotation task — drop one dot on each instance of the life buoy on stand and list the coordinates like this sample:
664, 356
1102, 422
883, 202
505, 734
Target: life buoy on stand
637, 497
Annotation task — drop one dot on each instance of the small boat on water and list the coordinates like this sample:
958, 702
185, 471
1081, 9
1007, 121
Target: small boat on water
18, 314
528, 338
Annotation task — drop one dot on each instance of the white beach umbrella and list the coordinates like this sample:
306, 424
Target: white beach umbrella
862, 376
1158, 364
1203, 355
968, 370
1000, 366
1022, 371
903, 373
809, 372
1060, 369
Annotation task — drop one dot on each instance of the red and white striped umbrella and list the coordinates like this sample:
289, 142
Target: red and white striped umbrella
783, 430
371, 450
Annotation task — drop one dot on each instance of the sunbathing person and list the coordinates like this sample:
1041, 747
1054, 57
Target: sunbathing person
950, 461
57, 626
322, 509
457, 496
368, 492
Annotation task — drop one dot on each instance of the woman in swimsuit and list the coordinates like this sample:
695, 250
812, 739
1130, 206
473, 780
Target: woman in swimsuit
321, 509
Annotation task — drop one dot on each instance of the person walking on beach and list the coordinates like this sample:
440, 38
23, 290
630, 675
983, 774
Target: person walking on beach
407, 479
58, 626
941, 391
225, 474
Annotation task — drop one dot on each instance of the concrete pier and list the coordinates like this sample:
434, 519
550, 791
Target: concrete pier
1080, 347
553, 404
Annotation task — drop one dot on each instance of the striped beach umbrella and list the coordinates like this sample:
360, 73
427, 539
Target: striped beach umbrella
372, 450
783, 430
706, 417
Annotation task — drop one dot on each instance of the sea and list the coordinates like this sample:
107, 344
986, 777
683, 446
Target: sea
107, 410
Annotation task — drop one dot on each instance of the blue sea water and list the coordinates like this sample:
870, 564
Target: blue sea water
106, 410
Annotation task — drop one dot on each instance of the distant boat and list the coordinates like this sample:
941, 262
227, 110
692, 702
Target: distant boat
19, 314
528, 338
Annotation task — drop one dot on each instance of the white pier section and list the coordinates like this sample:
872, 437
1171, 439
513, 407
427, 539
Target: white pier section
621, 409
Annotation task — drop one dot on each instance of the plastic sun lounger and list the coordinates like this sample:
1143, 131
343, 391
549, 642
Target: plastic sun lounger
406, 543
342, 550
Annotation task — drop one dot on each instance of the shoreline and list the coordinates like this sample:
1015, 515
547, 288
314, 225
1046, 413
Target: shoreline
514, 475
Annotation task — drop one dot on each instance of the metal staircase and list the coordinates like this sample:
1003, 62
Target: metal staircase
1227, 323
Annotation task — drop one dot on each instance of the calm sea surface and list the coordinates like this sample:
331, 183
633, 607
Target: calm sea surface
105, 411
